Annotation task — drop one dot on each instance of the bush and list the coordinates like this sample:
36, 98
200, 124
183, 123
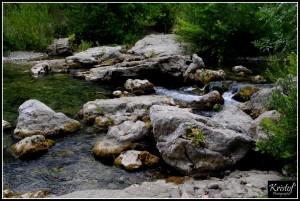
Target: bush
84, 45
217, 31
282, 134
27, 27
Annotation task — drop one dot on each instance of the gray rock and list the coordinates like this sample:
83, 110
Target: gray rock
60, 47
158, 45
244, 93
139, 87
223, 147
256, 105
220, 86
239, 69
91, 56
164, 66
231, 117
40, 69
204, 76
227, 194
156, 189
122, 109
36, 118
119, 138
208, 101
191, 188
195, 65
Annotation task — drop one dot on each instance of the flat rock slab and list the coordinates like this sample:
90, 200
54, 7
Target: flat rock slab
239, 184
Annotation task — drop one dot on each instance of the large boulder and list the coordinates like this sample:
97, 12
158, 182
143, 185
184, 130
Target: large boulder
31, 146
158, 45
36, 118
121, 109
60, 47
211, 149
231, 117
127, 120
153, 69
208, 101
156, 58
91, 56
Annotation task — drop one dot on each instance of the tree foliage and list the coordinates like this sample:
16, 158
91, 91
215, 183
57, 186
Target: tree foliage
26, 26
280, 25
219, 30
215, 30
32, 26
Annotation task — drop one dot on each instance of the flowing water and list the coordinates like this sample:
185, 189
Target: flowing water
69, 165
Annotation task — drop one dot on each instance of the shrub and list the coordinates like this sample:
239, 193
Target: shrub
84, 45
282, 134
27, 26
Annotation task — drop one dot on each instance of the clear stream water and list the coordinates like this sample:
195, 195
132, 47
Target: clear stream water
69, 165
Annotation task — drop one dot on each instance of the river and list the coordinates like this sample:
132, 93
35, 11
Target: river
69, 165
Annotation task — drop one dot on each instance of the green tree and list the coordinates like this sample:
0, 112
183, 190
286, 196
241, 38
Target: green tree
32, 26
218, 30
25, 28
118, 23
280, 25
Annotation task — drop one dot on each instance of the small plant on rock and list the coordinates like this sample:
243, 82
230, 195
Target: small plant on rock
152, 54
217, 107
99, 110
196, 136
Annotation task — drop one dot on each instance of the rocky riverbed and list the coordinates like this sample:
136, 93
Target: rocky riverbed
146, 126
